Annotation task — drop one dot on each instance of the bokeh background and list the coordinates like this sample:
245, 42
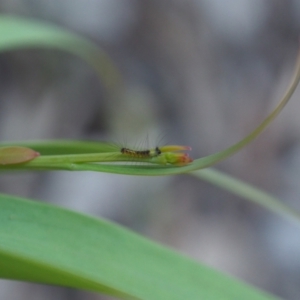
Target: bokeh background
201, 73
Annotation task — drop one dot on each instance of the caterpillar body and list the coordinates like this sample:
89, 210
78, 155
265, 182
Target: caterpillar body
141, 153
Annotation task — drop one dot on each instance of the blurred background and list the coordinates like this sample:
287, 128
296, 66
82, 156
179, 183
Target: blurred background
201, 73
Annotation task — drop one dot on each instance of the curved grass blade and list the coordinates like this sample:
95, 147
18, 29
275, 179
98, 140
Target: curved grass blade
42, 164
65, 147
248, 192
20, 33
48, 244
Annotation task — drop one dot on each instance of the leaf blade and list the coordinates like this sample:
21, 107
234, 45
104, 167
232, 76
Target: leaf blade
52, 245
23, 33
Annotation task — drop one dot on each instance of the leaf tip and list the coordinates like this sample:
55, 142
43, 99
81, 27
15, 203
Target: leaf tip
16, 155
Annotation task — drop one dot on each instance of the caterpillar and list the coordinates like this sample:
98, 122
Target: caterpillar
141, 153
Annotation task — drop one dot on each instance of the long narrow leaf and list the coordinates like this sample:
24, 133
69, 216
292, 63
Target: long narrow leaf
47, 244
248, 192
17, 33
41, 163
21, 33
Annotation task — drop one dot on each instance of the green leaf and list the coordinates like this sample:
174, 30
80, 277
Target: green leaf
16, 33
248, 192
64, 147
82, 162
21, 33
47, 244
